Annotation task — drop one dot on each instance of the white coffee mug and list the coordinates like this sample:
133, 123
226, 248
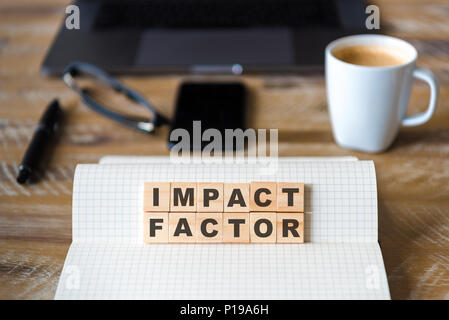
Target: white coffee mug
368, 104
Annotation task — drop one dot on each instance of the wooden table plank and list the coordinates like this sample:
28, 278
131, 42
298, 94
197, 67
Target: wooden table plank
413, 176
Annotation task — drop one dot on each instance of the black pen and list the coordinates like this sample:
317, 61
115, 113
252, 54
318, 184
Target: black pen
43, 136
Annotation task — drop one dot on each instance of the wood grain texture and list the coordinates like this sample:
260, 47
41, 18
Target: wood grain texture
413, 175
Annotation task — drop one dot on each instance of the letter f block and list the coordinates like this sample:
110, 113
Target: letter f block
155, 227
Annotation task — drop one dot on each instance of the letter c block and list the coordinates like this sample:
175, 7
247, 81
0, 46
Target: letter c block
263, 196
209, 227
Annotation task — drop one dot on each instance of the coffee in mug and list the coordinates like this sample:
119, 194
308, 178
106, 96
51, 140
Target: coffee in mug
369, 80
369, 55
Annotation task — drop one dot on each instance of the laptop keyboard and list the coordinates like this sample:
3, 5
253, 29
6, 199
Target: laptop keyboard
215, 14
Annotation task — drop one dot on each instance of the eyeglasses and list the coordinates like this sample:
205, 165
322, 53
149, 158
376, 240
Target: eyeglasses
91, 98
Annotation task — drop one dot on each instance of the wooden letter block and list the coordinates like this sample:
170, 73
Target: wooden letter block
263, 196
236, 227
183, 197
210, 197
182, 227
155, 227
209, 227
290, 197
156, 196
290, 227
262, 227
236, 197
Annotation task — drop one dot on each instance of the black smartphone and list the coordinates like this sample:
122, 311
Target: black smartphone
217, 105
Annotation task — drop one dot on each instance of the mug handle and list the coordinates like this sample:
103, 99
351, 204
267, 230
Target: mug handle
421, 118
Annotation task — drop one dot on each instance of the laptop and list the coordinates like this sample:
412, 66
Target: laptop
204, 36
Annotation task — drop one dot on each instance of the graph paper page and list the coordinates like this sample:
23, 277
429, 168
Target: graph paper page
340, 259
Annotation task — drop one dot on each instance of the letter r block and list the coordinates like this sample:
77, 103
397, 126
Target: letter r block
263, 196
156, 196
209, 227
155, 227
290, 227
236, 227
183, 197
290, 197
210, 197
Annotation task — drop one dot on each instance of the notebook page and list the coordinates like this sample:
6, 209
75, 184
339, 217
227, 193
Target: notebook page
224, 271
340, 197
341, 258
119, 159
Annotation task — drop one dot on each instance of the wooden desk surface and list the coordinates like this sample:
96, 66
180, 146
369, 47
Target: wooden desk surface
413, 176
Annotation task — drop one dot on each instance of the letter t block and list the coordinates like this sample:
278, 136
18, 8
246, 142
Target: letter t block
290, 197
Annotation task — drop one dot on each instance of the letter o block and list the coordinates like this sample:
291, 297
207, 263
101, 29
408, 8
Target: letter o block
262, 227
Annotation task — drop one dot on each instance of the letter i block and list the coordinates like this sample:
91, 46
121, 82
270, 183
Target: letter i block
210, 197
236, 227
209, 227
290, 197
290, 227
236, 197
156, 196
182, 227
262, 227
155, 227
183, 197
263, 196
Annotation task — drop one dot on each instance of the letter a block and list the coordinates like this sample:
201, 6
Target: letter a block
209, 227
236, 197
155, 227
263, 196
156, 196
290, 197
183, 197
290, 227
210, 197
182, 227
236, 227
262, 227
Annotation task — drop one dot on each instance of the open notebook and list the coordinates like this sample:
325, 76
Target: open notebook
341, 258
